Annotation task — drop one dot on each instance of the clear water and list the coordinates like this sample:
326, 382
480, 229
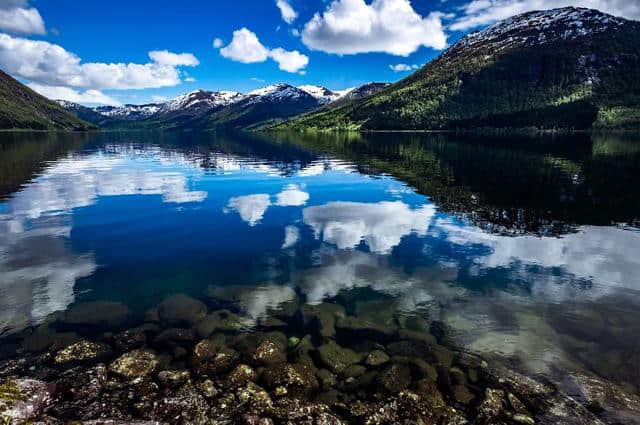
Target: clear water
525, 249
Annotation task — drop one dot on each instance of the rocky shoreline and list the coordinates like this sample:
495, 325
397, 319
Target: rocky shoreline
186, 363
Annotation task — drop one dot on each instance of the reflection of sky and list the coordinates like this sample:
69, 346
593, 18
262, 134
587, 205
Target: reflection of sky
320, 229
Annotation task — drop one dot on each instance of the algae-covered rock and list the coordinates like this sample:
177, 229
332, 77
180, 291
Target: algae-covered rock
491, 408
337, 358
23, 400
181, 308
361, 329
186, 407
241, 375
268, 353
395, 378
174, 378
130, 339
255, 397
462, 394
135, 364
354, 371
297, 379
82, 351
376, 358
327, 379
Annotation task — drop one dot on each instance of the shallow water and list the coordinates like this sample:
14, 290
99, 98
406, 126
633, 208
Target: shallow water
518, 249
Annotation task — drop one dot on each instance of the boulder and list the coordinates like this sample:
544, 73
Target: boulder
395, 378
24, 400
174, 378
181, 308
297, 379
135, 364
337, 358
82, 351
376, 358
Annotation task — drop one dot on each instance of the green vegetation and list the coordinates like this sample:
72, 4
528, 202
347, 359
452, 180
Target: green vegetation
22, 108
590, 82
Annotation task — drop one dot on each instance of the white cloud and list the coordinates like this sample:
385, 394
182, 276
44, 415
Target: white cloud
217, 43
159, 99
16, 17
293, 61
49, 64
250, 207
295, 32
482, 12
390, 26
402, 67
245, 47
381, 225
66, 93
291, 196
190, 80
288, 14
165, 57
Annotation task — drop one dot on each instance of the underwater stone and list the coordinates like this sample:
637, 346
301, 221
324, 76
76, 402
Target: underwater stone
181, 308
491, 407
353, 327
98, 313
23, 400
130, 339
268, 353
186, 407
241, 375
395, 378
376, 358
322, 318
174, 378
135, 364
458, 376
327, 379
337, 358
293, 341
462, 394
83, 351
354, 371
299, 380
218, 321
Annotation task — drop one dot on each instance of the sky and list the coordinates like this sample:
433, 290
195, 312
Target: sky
143, 51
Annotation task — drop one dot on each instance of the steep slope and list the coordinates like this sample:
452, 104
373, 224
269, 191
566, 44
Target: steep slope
323, 94
193, 105
22, 108
569, 68
87, 114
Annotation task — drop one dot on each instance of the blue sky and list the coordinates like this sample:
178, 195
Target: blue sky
338, 44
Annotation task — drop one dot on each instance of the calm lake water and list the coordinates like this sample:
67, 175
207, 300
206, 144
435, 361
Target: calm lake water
519, 249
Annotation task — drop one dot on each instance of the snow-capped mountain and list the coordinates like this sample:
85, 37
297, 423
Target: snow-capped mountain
203, 109
128, 112
323, 94
201, 100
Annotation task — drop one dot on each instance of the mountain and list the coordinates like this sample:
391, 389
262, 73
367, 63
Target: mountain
22, 108
562, 68
221, 109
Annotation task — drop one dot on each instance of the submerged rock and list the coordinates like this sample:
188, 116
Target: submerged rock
181, 308
395, 378
135, 364
376, 358
23, 400
174, 378
241, 375
268, 353
99, 313
210, 358
337, 358
83, 351
298, 380
186, 407
218, 321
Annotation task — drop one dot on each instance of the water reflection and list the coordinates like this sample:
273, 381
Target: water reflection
512, 249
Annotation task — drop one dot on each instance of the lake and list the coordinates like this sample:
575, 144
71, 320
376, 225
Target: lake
525, 251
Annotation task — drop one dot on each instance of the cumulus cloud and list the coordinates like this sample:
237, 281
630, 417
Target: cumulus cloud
482, 12
245, 47
49, 64
402, 67
293, 61
390, 26
66, 93
288, 14
217, 43
17, 17
291, 237
165, 57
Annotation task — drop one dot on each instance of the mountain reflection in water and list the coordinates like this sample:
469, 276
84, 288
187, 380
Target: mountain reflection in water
522, 248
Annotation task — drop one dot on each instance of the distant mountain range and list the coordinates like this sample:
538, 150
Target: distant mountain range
221, 109
562, 68
22, 108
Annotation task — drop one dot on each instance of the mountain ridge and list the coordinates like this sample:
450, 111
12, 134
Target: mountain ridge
560, 68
